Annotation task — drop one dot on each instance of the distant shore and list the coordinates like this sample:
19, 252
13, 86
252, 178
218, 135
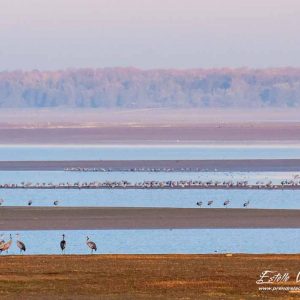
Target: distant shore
153, 134
71, 218
238, 165
161, 126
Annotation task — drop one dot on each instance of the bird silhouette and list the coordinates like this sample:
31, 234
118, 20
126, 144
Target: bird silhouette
63, 244
246, 203
5, 246
91, 245
226, 203
2, 241
20, 244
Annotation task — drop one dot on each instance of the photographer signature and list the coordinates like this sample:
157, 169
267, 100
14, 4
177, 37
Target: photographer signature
269, 277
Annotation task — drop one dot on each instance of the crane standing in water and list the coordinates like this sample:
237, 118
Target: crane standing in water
91, 245
226, 203
5, 246
63, 244
20, 244
199, 203
246, 203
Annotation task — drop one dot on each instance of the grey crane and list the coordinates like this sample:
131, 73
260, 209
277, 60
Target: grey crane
55, 203
226, 203
29, 203
210, 202
246, 203
5, 246
20, 244
2, 241
63, 244
199, 203
91, 245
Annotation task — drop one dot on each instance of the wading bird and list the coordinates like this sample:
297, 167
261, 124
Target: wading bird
29, 203
6, 246
20, 244
63, 244
226, 203
1, 201
1, 239
199, 203
91, 245
246, 203
55, 203
210, 202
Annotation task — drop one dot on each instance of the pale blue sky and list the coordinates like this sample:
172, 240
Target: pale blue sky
58, 34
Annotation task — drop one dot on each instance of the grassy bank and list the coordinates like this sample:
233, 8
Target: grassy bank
142, 276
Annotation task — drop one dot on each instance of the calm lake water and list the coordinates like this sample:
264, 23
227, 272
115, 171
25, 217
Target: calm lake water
136, 152
187, 241
144, 197
182, 241
276, 199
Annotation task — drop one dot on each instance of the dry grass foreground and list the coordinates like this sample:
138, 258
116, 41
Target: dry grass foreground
142, 276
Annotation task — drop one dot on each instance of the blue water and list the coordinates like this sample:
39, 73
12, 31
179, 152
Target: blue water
276, 199
181, 241
153, 241
145, 197
9, 153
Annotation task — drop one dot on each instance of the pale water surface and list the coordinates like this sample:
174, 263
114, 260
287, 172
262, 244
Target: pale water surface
182, 241
10, 153
163, 241
145, 197
264, 199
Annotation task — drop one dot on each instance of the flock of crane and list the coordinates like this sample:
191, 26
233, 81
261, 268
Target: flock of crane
120, 169
30, 202
5, 245
225, 204
154, 184
199, 203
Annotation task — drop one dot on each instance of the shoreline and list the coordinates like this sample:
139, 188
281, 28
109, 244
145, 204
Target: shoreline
230, 165
195, 133
108, 218
275, 187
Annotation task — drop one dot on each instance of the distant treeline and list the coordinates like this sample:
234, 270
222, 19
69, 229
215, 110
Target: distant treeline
133, 88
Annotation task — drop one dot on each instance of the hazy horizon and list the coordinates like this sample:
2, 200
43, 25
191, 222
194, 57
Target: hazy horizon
63, 34
133, 88
171, 69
